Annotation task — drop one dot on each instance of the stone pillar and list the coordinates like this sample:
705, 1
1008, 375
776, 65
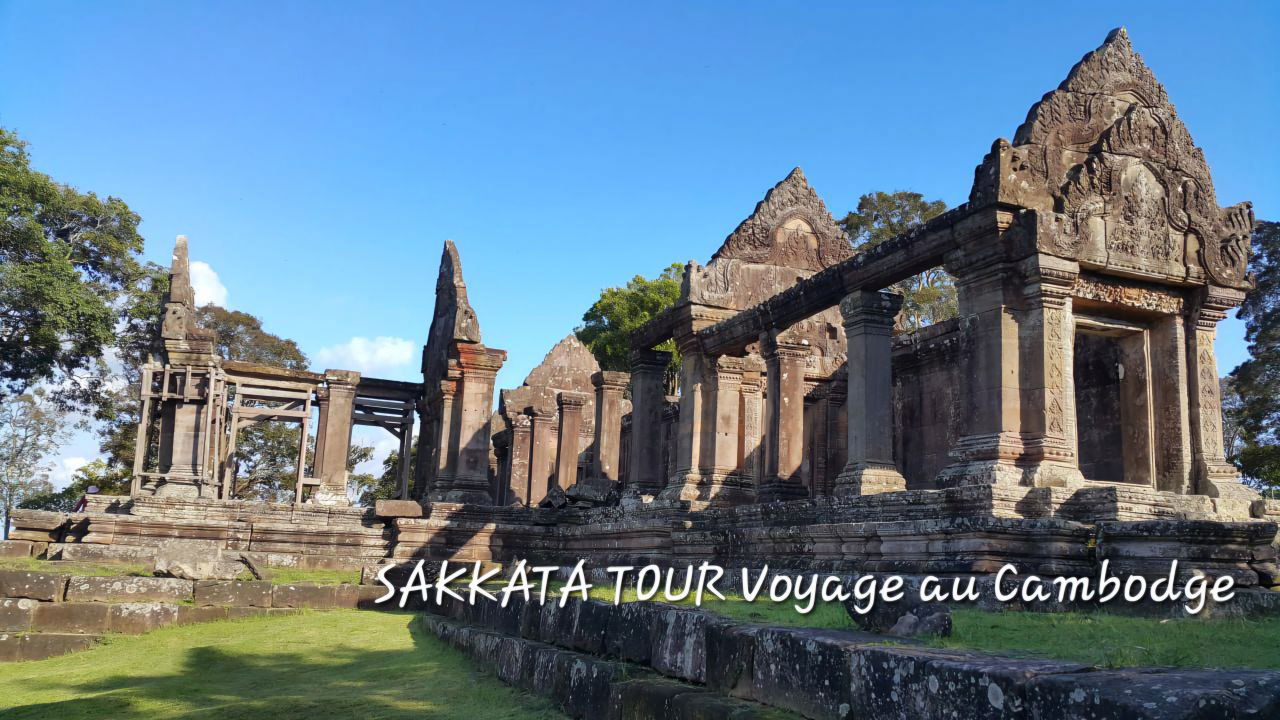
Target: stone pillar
541, 452
518, 463
751, 460
609, 388
785, 361
693, 374
479, 366
819, 427
868, 326
1046, 378
1214, 476
571, 404
341, 385
424, 468
444, 454
1169, 383
648, 369
322, 404
182, 447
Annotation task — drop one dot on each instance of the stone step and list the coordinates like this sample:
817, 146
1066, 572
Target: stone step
17, 647
836, 674
585, 686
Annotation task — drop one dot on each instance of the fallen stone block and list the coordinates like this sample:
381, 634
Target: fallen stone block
129, 589
909, 617
195, 560
16, 614
46, 587
72, 618
138, 618
233, 593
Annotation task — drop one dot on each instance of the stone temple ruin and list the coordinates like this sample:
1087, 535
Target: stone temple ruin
1071, 412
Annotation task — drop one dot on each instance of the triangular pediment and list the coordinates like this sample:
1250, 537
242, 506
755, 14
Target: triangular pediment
790, 227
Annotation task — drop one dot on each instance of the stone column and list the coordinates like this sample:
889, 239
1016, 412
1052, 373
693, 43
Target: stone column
541, 453
818, 452
317, 459
181, 447
479, 366
1214, 476
424, 467
868, 326
609, 387
1169, 383
1046, 378
693, 373
648, 369
521, 435
341, 385
445, 453
571, 404
785, 361
751, 461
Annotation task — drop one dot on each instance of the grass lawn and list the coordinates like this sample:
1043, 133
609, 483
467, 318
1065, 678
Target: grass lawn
1098, 639
338, 664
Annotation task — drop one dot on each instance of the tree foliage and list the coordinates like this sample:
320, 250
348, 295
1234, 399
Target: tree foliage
1257, 380
65, 258
31, 430
370, 489
95, 474
929, 297
607, 326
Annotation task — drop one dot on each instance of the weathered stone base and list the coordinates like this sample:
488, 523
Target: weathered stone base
560, 651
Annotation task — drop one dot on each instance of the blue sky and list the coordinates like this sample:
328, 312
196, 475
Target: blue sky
318, 154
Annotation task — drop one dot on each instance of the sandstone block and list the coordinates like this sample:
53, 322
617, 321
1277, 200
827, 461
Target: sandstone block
128, 589
72, 618
680, 644
320, 597
137, 618
38, 646
46, 587
16, 614
1156, 694
195, 560
16, 548
233, 593
398, 508
730, 652
191, 614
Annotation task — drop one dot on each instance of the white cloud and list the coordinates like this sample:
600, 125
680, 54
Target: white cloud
60, 474
208, 288
369, 357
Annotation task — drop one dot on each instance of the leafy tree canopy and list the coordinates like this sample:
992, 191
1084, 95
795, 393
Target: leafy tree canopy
1257, 380
929, 297
31, 429
65, 257
607, 326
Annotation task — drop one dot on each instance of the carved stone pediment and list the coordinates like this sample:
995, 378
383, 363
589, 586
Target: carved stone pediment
1131, 194
790, 228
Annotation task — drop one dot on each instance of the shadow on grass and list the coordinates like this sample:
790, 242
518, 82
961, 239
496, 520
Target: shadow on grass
428, 680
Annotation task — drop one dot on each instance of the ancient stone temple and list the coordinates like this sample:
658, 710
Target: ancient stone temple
1069, 414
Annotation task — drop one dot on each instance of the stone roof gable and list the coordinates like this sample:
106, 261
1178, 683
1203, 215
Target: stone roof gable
1122, 186
790, 227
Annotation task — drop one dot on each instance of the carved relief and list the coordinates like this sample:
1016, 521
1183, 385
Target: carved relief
790, 227
1107, 153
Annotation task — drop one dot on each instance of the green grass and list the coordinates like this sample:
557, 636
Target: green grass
338, 664
285, 576
1100, 639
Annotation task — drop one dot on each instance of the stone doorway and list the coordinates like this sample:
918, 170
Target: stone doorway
1113, 401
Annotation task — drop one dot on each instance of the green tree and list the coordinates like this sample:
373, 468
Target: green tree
95, 474
65, 258
1257, 380
929, 297
607, 326
31, 429
370, 489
